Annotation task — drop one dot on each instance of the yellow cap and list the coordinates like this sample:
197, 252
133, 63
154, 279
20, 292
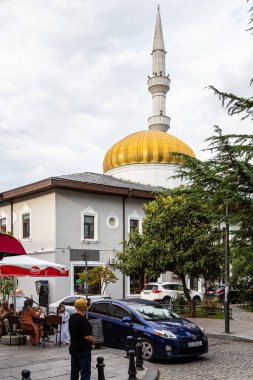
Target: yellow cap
80, 303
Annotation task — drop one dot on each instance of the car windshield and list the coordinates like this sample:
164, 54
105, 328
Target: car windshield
154, 312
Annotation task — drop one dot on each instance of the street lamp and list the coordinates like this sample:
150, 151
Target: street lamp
226, 303
85, 256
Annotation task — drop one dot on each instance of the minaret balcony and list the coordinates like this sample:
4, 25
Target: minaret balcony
158, 84
159, 123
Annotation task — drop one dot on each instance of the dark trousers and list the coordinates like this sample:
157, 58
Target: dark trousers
81, 363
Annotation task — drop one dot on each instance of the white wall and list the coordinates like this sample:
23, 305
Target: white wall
148, 174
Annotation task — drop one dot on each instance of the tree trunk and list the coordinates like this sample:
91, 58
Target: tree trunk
192, 311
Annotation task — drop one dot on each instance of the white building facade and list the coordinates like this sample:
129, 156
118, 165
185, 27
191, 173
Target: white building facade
63, 219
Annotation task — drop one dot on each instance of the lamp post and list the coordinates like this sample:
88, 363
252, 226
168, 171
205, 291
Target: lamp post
85, 284
226, 303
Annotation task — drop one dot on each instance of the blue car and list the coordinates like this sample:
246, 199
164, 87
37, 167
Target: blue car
165, 335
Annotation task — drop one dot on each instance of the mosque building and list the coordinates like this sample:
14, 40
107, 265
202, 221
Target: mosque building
149, 156
81, 219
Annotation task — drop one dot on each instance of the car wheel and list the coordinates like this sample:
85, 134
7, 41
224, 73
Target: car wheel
166, 300
196, 300
147, 350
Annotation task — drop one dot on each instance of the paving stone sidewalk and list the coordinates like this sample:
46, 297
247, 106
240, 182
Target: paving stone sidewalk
53, 362
241, 326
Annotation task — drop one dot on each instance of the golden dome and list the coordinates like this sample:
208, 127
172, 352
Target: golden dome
146, 147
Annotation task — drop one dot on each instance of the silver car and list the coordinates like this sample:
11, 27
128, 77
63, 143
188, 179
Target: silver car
69, 302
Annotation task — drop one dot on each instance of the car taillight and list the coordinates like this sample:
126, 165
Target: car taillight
156, 291
219, 291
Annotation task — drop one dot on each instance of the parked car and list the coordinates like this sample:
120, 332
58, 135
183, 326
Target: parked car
69, 302
165, 335
167, 291
218, 291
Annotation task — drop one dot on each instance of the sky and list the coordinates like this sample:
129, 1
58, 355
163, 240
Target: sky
73, 78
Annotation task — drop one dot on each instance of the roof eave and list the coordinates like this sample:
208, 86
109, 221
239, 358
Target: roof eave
53, 184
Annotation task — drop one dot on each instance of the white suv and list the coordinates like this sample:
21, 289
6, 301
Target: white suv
167, 291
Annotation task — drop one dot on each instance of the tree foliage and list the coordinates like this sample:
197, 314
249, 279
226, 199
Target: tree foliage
228, 178
6, 287
179, 236
98, 277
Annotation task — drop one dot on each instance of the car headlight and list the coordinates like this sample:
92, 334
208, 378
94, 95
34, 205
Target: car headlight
165, 334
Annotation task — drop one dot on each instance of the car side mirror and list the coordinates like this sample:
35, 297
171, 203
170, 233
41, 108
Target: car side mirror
127, 320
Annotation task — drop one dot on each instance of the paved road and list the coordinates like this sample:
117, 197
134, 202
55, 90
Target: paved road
225, 360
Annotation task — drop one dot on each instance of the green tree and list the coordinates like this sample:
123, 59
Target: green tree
6, 287
98, 277
178, 235
228, 177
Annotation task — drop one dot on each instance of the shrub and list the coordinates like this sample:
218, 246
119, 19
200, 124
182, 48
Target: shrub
180, 300
211, 303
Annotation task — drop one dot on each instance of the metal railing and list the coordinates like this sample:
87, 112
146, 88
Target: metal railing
204, 311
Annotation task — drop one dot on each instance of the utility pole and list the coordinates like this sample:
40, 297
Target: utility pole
226, 303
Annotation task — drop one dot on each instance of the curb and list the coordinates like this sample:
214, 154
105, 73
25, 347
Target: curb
232, 338
152, 372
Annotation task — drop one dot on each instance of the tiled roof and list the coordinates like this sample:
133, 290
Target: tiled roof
106, 180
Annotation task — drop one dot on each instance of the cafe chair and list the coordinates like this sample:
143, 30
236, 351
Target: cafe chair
26, 330
53, 323
13, 329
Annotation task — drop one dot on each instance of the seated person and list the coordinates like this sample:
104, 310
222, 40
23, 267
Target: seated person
4, 312
28, 317
12, 310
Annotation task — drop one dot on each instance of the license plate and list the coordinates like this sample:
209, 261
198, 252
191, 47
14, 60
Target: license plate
195, 344
146, 292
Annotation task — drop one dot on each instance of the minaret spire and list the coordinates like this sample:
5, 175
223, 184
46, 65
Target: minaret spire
159, 83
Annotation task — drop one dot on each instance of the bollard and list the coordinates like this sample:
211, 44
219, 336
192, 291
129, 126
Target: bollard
139, 358
100, 366
131, 353
26, 374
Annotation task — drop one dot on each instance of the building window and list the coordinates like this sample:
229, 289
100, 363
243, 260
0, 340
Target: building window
3, 225
89, 230
137, 283
134, 225
112, 222
26, 231
79, 288
89, 227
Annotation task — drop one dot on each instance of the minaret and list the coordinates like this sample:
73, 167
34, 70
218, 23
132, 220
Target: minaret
159, 83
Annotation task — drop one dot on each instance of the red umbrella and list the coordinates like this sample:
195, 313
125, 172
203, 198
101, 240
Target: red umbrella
9, 246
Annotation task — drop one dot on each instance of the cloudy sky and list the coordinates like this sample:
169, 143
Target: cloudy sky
73, 78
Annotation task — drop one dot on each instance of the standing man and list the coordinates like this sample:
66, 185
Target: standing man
81, 342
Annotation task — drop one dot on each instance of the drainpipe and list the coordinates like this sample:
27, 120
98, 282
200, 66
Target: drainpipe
11, 202
124, 238
124, 233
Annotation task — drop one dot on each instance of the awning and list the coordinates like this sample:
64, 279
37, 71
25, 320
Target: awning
10, 246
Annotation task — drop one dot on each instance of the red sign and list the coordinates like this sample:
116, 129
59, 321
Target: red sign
35, 270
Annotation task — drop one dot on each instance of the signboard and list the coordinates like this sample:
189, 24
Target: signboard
84, 254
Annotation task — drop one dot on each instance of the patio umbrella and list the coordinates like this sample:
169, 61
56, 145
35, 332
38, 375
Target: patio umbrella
9, 246
20, 266
32, 267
